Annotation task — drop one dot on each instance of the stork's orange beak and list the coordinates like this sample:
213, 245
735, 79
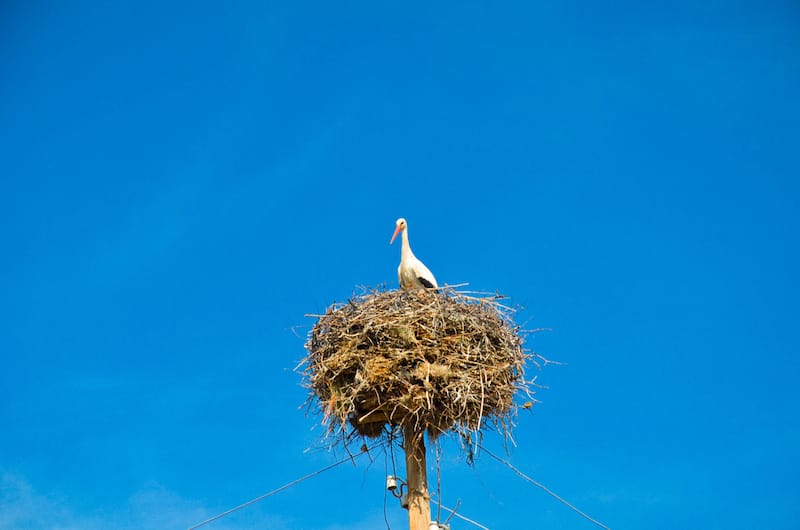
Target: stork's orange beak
396, 231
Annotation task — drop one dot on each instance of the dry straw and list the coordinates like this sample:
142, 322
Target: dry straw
446, 361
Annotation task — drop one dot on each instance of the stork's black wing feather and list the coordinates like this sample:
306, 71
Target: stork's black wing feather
426, 283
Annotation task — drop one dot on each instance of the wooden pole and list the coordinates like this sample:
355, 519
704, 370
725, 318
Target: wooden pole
419, 502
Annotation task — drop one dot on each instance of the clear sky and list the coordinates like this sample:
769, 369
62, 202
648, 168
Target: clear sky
180, 183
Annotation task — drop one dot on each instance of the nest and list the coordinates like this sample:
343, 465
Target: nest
417, 359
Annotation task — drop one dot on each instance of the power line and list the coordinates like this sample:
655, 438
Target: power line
542, 486
284, 487
437, 447
455, 513
386, 490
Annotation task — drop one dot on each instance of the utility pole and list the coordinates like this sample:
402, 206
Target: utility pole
419, 502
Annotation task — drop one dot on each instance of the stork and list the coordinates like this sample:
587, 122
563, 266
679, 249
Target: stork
412, 273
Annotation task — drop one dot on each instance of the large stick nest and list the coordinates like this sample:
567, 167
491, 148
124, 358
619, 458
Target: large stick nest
421, 360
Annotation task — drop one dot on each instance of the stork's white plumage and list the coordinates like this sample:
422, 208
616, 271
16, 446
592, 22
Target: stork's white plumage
412, 273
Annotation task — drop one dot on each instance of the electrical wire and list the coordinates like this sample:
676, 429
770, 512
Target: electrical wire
390, 431
438, 479
542, 486
284, 487
385, 490
454, 513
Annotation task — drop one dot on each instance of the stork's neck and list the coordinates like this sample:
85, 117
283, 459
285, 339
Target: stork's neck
406, 250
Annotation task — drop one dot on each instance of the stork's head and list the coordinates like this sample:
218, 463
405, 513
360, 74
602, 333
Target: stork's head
400, 226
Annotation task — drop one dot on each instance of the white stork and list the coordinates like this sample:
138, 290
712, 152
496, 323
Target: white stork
412, 273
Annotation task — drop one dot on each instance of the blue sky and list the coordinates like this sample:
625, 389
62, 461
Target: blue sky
180, 184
